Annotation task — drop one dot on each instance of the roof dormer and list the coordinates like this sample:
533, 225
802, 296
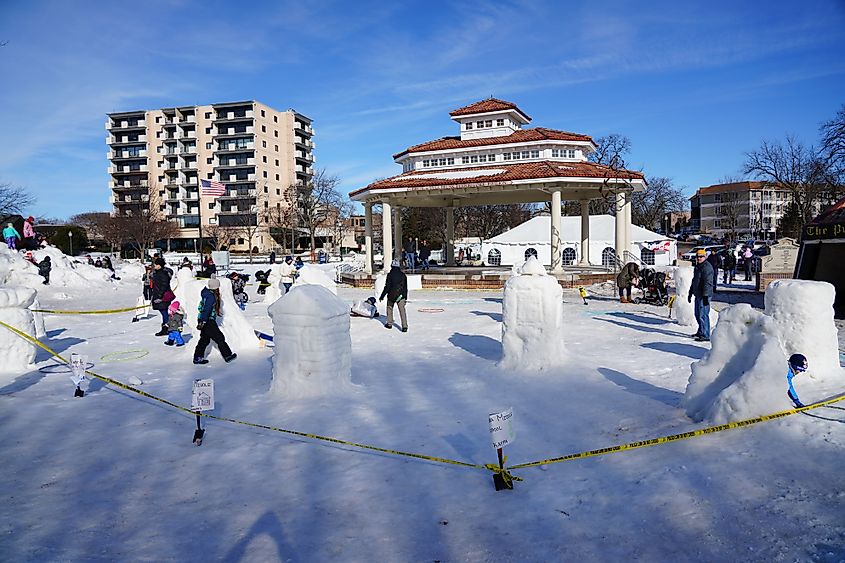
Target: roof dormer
489, 118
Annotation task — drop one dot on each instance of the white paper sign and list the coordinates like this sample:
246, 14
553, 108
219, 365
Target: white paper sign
202, 396
77, 368
501, 428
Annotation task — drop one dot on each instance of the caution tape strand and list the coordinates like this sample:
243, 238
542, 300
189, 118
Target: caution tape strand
98, 312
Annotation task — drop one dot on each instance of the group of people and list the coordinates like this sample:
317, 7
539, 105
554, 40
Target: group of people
30, 239
414, 256
102, 262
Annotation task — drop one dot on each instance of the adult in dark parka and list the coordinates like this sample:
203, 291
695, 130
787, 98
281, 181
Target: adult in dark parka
396, 291
628, 277
703, 280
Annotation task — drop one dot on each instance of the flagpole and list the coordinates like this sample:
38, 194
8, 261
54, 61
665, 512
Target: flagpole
199, 215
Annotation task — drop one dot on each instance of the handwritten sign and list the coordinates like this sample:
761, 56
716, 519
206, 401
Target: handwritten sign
501, 428
202, 395
77, 368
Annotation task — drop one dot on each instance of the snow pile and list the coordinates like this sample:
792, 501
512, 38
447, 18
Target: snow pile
532, 319
66, 272
803, 311
312, 275
17, 354
183, 277
14, 270
129, 270
233, 324
743, 375
313, 349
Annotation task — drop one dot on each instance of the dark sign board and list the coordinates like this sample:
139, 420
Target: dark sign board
826, 231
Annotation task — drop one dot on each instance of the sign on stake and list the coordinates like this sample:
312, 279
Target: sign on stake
77, 373
202, 399
501, 434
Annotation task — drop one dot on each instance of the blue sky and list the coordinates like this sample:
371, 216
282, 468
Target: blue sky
693, 84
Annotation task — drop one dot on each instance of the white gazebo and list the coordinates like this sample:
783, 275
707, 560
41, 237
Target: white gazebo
496, 161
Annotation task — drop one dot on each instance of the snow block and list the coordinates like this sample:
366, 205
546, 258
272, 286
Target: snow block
532, 319
744, 373
803, 311
684, 311
313, 348
18, 354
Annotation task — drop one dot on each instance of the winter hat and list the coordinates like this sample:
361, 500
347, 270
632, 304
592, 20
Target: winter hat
395, 264
288, 258
213, 283
30, 218
159, 262
174, 306
701, 252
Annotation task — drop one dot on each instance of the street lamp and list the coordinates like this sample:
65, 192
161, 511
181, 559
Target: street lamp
70, 241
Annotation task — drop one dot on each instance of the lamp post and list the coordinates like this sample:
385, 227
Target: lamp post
70, 241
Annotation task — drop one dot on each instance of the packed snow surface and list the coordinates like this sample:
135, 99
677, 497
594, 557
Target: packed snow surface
113, 476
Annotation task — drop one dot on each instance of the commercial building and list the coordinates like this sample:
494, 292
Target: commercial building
748, 209
157, 159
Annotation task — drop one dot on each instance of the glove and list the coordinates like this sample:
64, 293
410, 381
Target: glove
200, 325
706, 301
689, 298
381, 299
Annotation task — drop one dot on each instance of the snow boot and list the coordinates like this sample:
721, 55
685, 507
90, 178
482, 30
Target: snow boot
388, 326
200, 361
404, 329
231, 358
169, 342
623, 300
163, 331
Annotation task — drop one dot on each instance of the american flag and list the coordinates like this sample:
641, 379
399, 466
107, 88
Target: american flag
213, 188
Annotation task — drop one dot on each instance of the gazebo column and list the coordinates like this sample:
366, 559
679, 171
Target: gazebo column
557, 262
585, 233
450, 236
397, 231
628, 206
386, 234
619, 241
368, 237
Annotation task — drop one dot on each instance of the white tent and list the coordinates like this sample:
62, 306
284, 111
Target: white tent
533, 237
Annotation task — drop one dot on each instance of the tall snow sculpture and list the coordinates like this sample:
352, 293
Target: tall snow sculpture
274, 290
233, 324
17, 353
313, 349
744, 373
532, 319
684, 311
803, 311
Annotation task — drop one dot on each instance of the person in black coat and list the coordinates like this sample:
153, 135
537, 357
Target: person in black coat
396, 291
715, 261
272, 257
161, 293
729, 266
703, 280
209, 312
44, 268
425, 254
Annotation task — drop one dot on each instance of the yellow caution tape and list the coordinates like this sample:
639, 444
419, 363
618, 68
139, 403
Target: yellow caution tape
503, 471
100, 312
672, 301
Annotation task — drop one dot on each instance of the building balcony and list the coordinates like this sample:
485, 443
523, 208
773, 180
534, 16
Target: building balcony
131, 200
192, 149
229, 116
126, 125
118, 140
240, 194
230, 132
127, 170
234, 179
185, 220
126, 155
304, 156
233, 164
303, 129
232, 149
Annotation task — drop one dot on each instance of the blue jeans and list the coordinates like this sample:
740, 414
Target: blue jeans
176, 336
409, 260
287, 286
702, 316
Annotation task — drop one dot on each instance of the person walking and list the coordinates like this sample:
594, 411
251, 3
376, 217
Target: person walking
396, 291
29, 234
209, 312
748, 258
272, 256
11, 235
715, 262
174, 324
628, 277
287, 272
410, 254
702, 289
425, 254
729, 266
161, 293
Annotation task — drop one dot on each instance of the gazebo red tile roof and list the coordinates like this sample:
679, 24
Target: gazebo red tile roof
519, 136
506, 173
488, 105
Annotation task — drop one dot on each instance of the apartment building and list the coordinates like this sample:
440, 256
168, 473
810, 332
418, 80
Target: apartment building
749, 209
157, 159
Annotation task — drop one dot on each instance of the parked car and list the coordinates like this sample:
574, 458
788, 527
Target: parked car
709, 248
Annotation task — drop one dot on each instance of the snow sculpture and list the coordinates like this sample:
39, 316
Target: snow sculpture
532, 319
38, 318
315, 276
803, 311
14, 270
18, 354
684, 311
233, 324
273, 291
743, 375
313, 350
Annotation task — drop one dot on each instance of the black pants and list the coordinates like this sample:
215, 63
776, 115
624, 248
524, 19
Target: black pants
626, 289
210, 331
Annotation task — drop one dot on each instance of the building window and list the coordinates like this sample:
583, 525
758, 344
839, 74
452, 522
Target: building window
570, 153
264, 159
647, 256
500, 122
210, 161
425, 163
211, 205
265, 175
464, 160
525, 154
469, 126
494, 257
275, 119
208, 130
277, 148
263, 128
507, 156
442, 162
608, 257
263, 144
479, 124
450, 161
209, 146
488, 123
529, 252
262, 113
277, 179
482, 158
208, 115
568, 256
277, 162
473, 158
535, 154
275, 133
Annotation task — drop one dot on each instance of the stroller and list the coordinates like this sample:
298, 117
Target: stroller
654, 289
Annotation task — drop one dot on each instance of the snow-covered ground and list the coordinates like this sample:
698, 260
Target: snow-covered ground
115, 477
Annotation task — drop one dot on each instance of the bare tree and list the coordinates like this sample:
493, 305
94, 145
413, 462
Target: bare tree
730, 211
145, 228
218, 236
315, 197
13, 200
610, 149
487, 221
833, 148
649, 206
793, 166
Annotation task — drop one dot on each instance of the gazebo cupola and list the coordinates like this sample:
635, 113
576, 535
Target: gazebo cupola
489, 118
